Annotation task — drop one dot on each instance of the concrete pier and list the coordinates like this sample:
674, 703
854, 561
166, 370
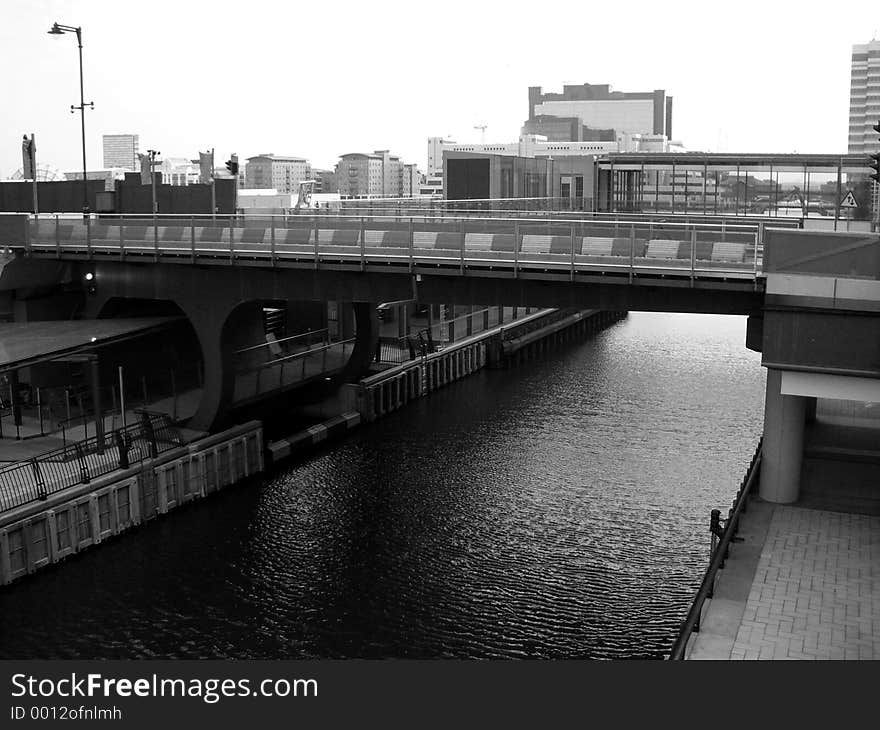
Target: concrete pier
783, 442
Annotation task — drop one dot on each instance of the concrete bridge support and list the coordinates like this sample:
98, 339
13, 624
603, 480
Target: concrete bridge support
224, 322
784, 418
221, 336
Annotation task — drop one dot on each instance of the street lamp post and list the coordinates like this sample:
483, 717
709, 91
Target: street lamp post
153, 154
57, 30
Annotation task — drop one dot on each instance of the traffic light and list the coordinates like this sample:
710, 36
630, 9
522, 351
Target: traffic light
874, 160
90, 283
232, 165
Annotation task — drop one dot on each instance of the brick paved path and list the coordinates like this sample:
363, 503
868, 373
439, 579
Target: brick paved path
816, 591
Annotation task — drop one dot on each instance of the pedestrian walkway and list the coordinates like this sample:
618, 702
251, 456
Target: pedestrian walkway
814, 593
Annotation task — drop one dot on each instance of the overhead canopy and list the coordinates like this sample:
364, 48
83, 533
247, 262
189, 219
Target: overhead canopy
27, 343
730, 161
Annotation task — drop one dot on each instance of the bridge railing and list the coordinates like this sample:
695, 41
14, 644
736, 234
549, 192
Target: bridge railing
255, 380
558, 245
719, 554
396, 350
273, 349
577, 208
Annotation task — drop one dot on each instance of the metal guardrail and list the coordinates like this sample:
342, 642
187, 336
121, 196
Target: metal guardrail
307, 218
719, 553
580, 208
563, 247
255, 380
321, 335
421, 342
35, 479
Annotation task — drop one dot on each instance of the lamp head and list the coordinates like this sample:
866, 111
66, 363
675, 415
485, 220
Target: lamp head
55, 30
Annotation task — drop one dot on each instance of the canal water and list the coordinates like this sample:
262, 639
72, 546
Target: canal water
559, 509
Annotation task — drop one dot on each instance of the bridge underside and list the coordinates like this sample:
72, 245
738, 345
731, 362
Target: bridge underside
223, 300
427, 284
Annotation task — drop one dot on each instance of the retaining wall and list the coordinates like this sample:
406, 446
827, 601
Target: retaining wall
392, 389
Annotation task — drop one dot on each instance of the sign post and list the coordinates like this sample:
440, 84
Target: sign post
849, 200
848, 204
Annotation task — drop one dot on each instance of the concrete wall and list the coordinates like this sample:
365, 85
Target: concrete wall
183, 199
58, 196
850, 255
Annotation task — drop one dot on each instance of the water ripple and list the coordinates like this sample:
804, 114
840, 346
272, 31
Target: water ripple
555, 510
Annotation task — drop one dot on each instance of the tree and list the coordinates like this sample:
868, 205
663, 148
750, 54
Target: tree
862, 194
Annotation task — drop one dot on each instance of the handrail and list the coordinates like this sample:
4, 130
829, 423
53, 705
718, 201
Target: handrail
402, 343
296, 356
568, 260
691, 623
37, 478
264, 345
677, 220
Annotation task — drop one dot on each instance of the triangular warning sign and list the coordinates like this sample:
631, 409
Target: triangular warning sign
849, 201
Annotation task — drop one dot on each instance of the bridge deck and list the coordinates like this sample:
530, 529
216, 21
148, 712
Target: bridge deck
674, 249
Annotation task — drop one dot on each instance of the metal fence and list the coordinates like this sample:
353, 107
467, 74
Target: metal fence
423, 341
722, 534
78, 463
252, 380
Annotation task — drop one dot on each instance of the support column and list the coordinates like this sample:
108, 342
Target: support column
96, 402
347, 317
365, 325
221, 329
810, 410
402, 321
783, 442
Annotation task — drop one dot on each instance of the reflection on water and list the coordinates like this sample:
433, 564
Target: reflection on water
555, 510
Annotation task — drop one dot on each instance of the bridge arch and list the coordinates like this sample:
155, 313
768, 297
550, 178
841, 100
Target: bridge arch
216, 333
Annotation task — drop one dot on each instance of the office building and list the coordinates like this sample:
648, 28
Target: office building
565, 129
483, 175
359, 175
325, 181
276, 171
535, 145
864, 98
436, 145
599, 108
864, 113
376, 175
410, 181
121, 151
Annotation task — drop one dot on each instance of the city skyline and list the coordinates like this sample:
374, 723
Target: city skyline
795, 100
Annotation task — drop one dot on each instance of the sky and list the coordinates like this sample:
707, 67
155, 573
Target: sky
319, 80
